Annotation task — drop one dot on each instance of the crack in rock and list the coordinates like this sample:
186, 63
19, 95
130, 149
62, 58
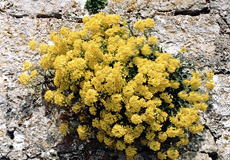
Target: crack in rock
221, 72
213, 155
4, 158
19, 15
205, 10
49, 15
215, 138
10, 134
225, 21
1, 10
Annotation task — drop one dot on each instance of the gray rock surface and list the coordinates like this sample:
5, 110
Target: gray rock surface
29, 130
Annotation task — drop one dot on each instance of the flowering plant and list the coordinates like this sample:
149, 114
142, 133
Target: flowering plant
122, 87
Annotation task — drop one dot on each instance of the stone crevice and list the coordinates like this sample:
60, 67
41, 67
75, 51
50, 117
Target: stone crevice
221, 72
50, 15
213, 155
215, 138
4, 158
205, 10
1, 10
224, 20
55, 15
19, 15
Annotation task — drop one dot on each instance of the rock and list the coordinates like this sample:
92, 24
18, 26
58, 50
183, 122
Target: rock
195, 156
18, 143
81, 147
208, 144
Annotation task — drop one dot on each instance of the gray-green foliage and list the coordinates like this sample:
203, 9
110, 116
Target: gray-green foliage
93, 6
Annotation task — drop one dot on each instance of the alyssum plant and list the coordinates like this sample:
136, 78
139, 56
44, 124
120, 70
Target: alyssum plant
122, 87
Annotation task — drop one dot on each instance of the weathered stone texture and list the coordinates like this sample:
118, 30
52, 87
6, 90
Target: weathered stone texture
27, 131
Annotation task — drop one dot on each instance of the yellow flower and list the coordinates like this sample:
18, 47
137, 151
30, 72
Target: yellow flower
154, 145
46, 62
130, 151
140, 40
204, 97
77, 108
85, 19
128, 91
49, 95
183, 49
116, 98
65, 32
173, 132
24, 79
186, 82
171, 105
64, 129
140, 25
185, 117
183, 141
100, 136
124, 23
162, 136
150, 135
161, 155
34, 73
166, 97
60, 62
195, 81
118, 131
93, 110
183, 95
152, 40
27, 66
172, 153
138, 130
128, 138
146, 50
83, 132
210, 84
210, 74
196, 128
136, 119
108, 141
43, 48
201, 106
149, 23
59, 98
120, 145
32, 44
91, 97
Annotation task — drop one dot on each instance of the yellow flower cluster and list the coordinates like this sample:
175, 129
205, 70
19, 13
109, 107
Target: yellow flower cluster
183, 49
27, 66
210, 83
142, 25
126, 86
25, 78
195, 81
63, 129
32, 44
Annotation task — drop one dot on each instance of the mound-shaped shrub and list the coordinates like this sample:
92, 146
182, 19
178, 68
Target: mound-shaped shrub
122, 87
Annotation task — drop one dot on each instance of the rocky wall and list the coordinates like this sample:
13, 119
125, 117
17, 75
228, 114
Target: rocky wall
29, 130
